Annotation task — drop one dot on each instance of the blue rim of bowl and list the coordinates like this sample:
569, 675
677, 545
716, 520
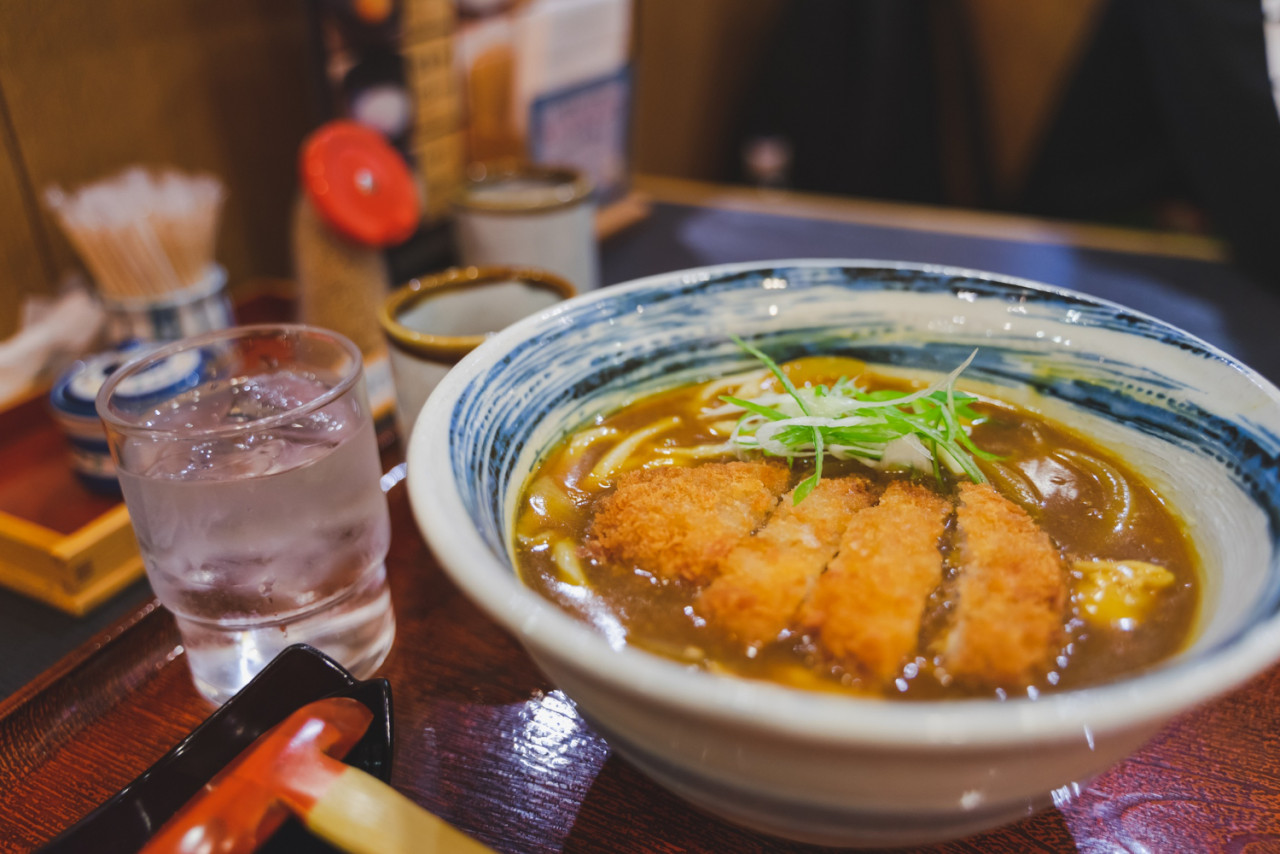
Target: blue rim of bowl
1145, 699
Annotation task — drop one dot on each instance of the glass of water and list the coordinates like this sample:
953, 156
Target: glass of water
249, 466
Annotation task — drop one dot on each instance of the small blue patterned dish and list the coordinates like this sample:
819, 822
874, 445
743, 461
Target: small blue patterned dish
72, 401
1204, 429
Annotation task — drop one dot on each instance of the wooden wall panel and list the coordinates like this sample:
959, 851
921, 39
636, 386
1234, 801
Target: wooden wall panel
1025, 53
695, 61
217, 85
26, 266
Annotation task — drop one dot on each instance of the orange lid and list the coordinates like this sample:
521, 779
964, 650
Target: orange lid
359, 184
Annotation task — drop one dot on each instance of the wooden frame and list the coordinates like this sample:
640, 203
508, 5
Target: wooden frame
59, 543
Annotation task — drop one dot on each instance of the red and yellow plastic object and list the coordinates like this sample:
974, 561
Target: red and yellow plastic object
296, 769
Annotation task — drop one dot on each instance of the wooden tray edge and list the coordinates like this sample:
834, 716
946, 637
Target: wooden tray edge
75, 572
82, 656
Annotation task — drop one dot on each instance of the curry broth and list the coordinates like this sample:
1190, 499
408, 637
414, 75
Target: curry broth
1075, 490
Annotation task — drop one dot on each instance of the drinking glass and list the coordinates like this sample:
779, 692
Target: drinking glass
249, 466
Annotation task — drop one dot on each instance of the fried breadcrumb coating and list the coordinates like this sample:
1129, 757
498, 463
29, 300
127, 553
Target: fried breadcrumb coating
865, 610
1011, 593
765, 578
679, 523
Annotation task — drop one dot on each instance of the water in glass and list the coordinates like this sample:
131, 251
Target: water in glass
265, 538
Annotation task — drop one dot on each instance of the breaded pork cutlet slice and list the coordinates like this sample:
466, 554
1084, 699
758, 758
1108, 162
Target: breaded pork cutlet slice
678, 522
864, 612
1011, 593
765, 578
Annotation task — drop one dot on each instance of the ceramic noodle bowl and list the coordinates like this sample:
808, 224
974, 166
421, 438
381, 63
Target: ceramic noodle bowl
1202, 429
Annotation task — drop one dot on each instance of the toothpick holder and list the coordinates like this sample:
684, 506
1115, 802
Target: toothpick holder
202, 307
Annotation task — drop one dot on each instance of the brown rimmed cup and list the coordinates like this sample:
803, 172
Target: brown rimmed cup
434, 321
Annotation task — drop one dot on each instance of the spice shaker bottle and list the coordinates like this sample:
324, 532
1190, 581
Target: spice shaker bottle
358, 198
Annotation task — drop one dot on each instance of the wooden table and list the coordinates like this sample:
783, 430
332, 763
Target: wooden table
485, 741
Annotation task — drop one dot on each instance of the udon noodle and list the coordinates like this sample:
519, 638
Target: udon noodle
1025, 559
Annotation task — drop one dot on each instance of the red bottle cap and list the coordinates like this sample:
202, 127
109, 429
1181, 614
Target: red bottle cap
359, 184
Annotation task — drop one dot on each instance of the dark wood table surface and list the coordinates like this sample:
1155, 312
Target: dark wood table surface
485, 741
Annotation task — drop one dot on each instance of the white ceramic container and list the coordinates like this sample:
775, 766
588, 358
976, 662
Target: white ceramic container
531, 216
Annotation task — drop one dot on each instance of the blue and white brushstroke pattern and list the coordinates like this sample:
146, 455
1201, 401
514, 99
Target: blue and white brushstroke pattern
1203, 426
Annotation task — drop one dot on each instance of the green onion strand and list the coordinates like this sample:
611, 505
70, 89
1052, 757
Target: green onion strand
849, 422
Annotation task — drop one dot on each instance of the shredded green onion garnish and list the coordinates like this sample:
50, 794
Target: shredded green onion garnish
885, 428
